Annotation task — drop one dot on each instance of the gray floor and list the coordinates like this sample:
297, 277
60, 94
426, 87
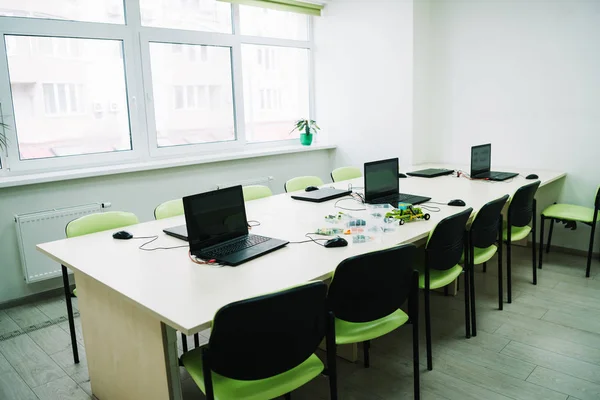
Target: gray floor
546, 345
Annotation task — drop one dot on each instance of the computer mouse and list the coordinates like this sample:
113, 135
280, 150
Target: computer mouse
311, 188
401, 175
124, 235
336, 242
531, 176
456, 203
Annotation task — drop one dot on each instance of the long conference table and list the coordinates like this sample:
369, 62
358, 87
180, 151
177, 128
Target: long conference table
133, 302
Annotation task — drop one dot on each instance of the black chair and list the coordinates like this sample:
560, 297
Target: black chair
484, 242
570, 215
366, 294
265, 346
521, 212
443, 252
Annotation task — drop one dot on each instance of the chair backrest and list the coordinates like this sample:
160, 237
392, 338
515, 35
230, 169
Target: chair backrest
168, 209
255, 192
485, 227
302, 182
99, 222
446, 242
268, 335
520, 210
371, 286
345, 173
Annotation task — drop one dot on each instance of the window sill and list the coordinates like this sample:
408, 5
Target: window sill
31, 179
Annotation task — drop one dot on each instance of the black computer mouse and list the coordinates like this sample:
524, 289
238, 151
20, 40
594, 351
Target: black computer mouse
531, 176
336, 242
124, 235
457, 203
401, 175
311, 188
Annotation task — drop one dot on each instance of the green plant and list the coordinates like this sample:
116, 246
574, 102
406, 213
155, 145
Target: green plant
306, 126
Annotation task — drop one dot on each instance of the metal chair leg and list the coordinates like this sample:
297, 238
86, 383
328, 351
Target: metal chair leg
472, 295
366, 346
500, 277
484, 267
67, 288
533, 241
184, 342
589, 259
467, 308
196, 340
508, 271
428, 330
542, 220
550, 235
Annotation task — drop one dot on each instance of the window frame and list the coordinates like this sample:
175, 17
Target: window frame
136, 40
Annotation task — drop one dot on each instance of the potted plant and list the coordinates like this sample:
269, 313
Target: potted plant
307, 129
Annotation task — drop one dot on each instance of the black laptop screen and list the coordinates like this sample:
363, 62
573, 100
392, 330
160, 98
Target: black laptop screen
381, 179
214, 217
481, 159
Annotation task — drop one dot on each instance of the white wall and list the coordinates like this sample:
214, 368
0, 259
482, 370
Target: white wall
136, 192
525, 76
364, 61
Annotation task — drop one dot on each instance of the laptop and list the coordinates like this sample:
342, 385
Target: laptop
481, 162
321, 195
430, 172
217, 228
382, 185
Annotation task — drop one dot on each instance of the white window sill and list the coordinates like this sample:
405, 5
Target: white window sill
55, 176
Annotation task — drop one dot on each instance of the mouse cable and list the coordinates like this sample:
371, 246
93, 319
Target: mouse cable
256, 223
152, 239
431, 208
348, 209
311, 239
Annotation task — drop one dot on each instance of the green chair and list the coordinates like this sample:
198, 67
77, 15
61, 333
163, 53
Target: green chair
301, 183
255, 192
168, 209
571, 214
443, 251
345, 173
366, 293
264, 347
521, 211
87, 224
483, 240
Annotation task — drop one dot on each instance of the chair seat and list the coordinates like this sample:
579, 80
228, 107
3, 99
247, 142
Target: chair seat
516, 233
268, 388
482, 255
438, 279
354, 332
569, 212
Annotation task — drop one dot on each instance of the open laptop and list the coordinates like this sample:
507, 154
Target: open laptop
217, 228
383, 186
430, 172
321, 195
481, 162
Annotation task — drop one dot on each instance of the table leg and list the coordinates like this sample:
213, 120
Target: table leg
131, 354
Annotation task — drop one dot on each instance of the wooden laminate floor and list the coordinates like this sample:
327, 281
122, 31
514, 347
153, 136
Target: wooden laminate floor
545, 345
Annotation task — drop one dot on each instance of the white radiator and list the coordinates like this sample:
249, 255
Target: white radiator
265, 180
46, 226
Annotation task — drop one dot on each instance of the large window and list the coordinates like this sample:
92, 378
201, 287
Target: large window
101, 82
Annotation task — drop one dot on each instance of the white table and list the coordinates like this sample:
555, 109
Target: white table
132, 302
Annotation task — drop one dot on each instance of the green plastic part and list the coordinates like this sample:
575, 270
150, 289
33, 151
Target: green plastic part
345, 173
255, 192
516, 233
302, 182
99, 222
569, 212
438, 279
482, 255
168, 209
268, 388
354, 332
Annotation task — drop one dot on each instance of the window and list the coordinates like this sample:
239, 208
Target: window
108, 11
202, 109
271, 111
63, 107
197, 15
272, 23
180, 77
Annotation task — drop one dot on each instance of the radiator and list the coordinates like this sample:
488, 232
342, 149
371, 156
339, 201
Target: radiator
46, 226
265, 180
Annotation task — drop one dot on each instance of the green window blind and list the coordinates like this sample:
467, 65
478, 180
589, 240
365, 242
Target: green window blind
282, 5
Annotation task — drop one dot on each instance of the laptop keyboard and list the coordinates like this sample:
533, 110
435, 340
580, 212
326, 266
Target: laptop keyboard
401, 198
236, 246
